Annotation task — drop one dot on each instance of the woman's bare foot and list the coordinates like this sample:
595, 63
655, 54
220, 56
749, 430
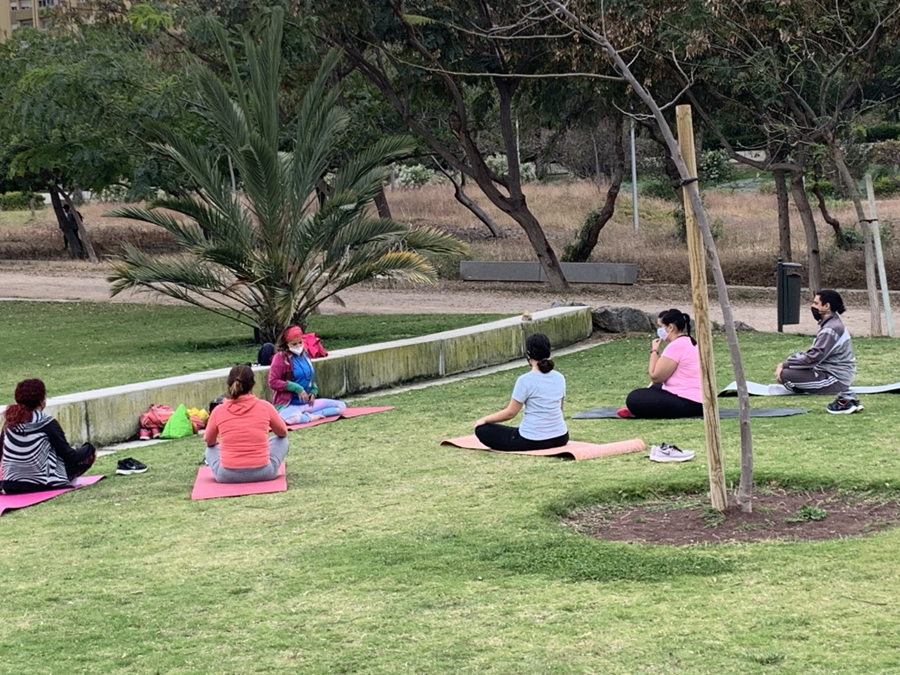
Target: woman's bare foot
313, 418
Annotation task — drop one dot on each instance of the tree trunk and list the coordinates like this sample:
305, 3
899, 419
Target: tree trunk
596, 158
814, 276
461, 196
459, 192
586, 239
82, 232
839, 237
56, 203
513, 203
381, 203
871, 284
784, 216
744, 494
519, 210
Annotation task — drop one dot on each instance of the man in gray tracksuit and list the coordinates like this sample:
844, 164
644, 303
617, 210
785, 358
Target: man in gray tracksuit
828, 367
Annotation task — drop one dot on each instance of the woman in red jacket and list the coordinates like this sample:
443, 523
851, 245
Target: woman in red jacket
239, 448
292, 379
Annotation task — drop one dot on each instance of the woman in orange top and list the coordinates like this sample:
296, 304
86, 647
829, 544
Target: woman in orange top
239, 449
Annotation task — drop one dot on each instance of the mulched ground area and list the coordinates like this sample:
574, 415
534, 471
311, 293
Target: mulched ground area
777, 514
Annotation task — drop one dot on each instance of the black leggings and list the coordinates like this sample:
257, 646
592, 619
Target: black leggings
500, 437
655, 403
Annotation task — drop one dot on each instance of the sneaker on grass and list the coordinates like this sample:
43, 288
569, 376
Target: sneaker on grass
129, 466
844, 404
670, 453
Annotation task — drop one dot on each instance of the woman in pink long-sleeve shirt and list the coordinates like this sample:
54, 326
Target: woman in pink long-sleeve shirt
239, 448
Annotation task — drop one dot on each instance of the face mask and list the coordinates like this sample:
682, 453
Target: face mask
817, 315
296, 350
661, 332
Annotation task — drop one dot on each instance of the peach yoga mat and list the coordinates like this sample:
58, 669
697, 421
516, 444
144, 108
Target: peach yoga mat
573, 449
10, 502
206, 487
348, 413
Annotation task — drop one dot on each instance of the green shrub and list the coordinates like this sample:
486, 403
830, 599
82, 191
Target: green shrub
714, 167
883, 132
885, 186
415, 176
767, 187
852, 237
20, 201
826, 186
660, 188
500, 166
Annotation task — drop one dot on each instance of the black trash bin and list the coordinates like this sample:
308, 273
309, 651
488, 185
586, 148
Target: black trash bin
787, 288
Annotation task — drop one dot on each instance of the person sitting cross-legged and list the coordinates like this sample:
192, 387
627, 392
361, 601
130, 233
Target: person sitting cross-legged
541, 392
239, 448
292, 379
674, 389
828, 366
34, 452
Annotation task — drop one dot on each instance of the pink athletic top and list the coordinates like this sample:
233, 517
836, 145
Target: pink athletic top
241, 426
685, 381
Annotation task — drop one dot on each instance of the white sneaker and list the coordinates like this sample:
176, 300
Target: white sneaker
669, 453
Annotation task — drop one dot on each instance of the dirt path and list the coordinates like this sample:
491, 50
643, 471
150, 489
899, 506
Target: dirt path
755, 306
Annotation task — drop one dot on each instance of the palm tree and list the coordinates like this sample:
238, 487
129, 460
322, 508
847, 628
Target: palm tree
270, 254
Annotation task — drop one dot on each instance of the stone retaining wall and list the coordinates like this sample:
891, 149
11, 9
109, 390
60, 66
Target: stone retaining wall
110, 415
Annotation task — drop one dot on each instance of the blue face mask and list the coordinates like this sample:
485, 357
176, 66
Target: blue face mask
661, 332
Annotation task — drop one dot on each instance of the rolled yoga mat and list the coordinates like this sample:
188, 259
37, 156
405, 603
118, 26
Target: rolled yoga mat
206, 487
10, 502
572, 450
346, 414
756, 389
724, 414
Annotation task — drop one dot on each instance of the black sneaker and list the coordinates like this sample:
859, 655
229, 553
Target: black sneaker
129, 466
844, 405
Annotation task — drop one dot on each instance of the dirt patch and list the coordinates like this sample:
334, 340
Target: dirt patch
778, 514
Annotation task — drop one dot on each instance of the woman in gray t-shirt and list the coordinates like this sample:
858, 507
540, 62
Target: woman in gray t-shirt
541, 393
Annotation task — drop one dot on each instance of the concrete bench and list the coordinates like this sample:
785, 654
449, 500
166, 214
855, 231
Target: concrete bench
576, 273
109, 415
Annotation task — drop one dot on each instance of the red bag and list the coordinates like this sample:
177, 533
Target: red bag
156, 417
313, 346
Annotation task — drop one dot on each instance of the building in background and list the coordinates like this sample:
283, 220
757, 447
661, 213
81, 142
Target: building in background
34, 13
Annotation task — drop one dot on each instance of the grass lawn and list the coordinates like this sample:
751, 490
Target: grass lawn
80, 346
391, 554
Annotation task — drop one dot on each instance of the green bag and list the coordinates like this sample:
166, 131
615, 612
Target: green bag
179, 424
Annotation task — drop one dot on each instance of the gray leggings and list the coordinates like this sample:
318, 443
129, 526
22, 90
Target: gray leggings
811, 381
278, 448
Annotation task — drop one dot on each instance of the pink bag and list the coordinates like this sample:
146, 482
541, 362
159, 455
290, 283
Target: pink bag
156, 417
313, 346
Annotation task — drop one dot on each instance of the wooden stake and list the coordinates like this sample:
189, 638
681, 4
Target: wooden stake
700, 294
879, 255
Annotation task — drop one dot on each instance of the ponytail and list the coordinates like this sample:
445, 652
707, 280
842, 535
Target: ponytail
681, 321
537, 348
240, 380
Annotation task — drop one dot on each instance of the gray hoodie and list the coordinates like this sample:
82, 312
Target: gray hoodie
831, 352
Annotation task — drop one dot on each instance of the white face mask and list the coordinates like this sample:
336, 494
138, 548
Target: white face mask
661, 332
296, 350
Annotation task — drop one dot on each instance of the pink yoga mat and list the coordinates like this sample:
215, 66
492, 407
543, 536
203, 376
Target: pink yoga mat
573, 449
349, 412
206, 487
10, 502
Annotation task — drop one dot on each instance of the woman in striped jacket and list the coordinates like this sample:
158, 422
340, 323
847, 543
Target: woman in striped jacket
34, 452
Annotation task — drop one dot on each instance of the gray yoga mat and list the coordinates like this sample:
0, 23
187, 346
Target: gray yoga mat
756, 389
724, 413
